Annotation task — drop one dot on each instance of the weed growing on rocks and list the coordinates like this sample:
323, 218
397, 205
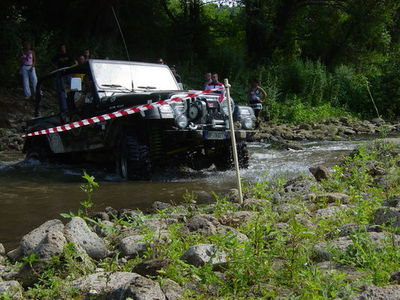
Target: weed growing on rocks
292, 238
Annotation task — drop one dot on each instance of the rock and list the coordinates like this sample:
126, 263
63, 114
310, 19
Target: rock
12, 289
351, 273
201, 224
77, 232
389, 292
255, 204
31, 241
201, 254
15, 254
112, 212
329, 212
344, 230
305, 126
378, 121
171, 289
395, 277
133, 245
103, 216
323, 250
151, 267
104, 228
387, 216
329, 197
392, 201
237, 218
227, 230
288, 208
119, 285
233, 195
2, 249
52, 244
158, 205
320, 172
348, 131
129, 214
29, 274
141, 288
301, 186
157, 224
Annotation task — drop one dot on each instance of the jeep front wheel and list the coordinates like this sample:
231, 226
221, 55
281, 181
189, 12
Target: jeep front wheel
132, 158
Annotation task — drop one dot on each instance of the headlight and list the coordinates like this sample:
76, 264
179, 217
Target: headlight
247, 123
224, 106
165, 109
181, 121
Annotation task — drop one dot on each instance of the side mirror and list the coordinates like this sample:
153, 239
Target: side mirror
76, 84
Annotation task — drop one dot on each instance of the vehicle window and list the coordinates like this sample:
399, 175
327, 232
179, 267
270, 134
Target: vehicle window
120, 76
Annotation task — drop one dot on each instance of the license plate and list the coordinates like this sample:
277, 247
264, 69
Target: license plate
215, 135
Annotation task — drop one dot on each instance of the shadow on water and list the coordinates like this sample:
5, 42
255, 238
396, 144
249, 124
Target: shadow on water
31, 193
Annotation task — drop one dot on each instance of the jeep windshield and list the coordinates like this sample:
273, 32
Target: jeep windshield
126, 76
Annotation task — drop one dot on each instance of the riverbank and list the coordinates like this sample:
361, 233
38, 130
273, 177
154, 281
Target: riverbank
333, 235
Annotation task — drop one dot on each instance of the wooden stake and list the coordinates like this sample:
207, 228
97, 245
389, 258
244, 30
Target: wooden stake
233, 140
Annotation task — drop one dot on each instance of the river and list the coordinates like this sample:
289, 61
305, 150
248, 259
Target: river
31, 194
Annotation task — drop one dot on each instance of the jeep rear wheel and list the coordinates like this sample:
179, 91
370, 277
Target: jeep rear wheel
38, 149
132, 158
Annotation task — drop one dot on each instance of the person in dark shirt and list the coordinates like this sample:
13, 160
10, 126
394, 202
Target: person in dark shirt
177, 76
62, 59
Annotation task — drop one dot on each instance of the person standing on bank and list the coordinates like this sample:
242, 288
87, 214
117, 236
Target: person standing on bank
256, 96
28, 72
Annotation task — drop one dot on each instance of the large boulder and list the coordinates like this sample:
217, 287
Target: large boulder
201, 254
11, 289
119, 285
2, 249
52, 244
31, 241
78, 232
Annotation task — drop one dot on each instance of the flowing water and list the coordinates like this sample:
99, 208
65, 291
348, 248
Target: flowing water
31, 194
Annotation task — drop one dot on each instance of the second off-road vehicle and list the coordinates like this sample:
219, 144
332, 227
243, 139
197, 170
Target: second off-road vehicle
193, 132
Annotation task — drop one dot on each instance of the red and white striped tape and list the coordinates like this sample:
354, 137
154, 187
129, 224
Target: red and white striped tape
118, 114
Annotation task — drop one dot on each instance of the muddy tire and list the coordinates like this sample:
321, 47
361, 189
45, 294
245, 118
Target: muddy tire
132, 158
223, 159
243, 155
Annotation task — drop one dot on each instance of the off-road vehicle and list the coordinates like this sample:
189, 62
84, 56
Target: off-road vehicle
194, 132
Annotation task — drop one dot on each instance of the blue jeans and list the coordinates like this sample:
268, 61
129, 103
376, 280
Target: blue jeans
28, 75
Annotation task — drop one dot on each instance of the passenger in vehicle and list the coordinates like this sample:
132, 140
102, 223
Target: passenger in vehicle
28, 72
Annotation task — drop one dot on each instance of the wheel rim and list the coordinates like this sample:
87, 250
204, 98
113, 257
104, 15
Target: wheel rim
123, 166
